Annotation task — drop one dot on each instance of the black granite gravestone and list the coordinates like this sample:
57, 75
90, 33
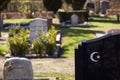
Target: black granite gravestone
98, 59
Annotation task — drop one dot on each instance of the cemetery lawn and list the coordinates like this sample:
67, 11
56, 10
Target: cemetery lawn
3, 49
16, 20
57, 75
72, 36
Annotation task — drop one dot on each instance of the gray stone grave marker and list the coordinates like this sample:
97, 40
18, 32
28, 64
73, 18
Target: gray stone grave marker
36, 25
17, 68
1, 23
104, 6
74, 19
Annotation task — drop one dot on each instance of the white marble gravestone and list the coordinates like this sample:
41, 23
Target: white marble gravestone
17, 68
74, 19
36, 25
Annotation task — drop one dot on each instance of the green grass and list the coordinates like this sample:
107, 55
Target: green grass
3, 49
16, 20
104, 24
74, 35
56, 75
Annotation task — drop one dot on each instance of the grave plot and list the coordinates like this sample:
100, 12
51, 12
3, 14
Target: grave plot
98, 59
73, 18
41, 41
45, 25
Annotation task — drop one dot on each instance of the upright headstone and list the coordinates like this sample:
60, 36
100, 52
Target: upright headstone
1, 23
74, 19
104, 4
98, 59
36, 25
18, 69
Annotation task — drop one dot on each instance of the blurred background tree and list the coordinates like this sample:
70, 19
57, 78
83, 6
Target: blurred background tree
76, 4
3, 4
52, 5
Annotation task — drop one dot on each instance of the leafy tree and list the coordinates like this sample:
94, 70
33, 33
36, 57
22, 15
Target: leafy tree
3, 4
52, 5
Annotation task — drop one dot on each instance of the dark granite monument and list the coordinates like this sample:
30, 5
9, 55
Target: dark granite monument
98, 59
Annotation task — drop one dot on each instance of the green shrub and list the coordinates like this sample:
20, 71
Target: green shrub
45, 43
51, 40
13, 31
19, 43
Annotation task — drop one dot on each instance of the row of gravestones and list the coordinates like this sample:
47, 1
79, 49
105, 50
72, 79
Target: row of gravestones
104, 5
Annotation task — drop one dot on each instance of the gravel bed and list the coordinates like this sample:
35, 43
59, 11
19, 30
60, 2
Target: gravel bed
48, 65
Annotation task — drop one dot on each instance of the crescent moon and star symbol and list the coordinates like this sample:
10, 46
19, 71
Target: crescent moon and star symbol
95, 56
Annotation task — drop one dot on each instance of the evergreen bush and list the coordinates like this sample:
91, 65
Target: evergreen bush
45, 43
19, 42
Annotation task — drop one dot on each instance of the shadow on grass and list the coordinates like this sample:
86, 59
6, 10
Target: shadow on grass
72, 32
104, 20
74, 36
